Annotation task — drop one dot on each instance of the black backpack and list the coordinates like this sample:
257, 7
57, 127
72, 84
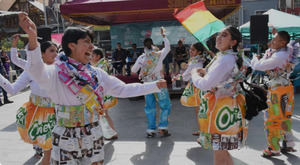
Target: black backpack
256, 99
255, 96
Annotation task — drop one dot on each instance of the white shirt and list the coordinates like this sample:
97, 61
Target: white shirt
278, 59
23, 80
164, 52
218, 72
186, 76
21, 83
47, 78
15, 59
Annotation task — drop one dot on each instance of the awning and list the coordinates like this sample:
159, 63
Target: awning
280, 20
38, 5
109, 12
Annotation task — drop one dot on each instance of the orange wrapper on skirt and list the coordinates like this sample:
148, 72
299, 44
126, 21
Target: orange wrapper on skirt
35, 124
221, 121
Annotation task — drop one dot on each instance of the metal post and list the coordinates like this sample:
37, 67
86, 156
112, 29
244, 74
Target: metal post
57, 17
45, 13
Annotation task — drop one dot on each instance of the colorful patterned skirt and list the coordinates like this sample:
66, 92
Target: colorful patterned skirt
77, 137
222, 123
35, 121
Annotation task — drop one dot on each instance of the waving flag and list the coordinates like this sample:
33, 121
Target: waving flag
199, 21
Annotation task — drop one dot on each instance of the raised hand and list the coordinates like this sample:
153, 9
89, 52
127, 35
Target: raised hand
29, 27
15, 39
161, 84
163, 31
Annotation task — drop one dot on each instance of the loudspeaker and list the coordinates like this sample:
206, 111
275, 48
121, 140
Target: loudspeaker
259, 30
44, 33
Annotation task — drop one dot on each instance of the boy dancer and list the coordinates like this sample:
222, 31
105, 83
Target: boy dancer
278, 117
150, 63
78, 90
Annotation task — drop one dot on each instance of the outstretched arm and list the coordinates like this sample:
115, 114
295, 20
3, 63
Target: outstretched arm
13, 88
117, 88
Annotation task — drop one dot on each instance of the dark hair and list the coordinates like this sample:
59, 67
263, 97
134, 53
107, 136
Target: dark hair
46, 45
148, 40
284, 35
199, 47
179, 42
72, 35
98, 52
235, 35
119, 43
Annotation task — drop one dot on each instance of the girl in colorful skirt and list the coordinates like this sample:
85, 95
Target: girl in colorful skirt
190, 96
277, 64
78, 91
222, 108
108, 129
36, 118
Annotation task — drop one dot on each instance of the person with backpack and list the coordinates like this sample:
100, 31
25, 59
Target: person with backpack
278, 116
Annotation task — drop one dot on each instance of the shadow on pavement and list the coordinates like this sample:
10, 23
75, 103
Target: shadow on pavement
33, 160
10, 128
108, 151
293, 159
163, 147
200, 156
276, 161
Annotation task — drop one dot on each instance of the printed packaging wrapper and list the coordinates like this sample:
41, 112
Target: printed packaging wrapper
35, 124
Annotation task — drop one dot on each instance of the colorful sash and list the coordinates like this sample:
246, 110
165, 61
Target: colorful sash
82, 81
151, 60
35, 121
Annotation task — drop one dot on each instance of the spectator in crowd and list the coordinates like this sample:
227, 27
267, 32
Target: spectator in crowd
119, 56
4, 74
180, 53
5, 60
134, 53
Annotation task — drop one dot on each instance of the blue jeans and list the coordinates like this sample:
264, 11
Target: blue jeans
164, 102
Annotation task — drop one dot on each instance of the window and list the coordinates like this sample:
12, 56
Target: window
297, 3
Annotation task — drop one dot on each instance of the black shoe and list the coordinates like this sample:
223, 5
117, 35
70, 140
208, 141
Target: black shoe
7, 101
1, 104
164, 133
151, 134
